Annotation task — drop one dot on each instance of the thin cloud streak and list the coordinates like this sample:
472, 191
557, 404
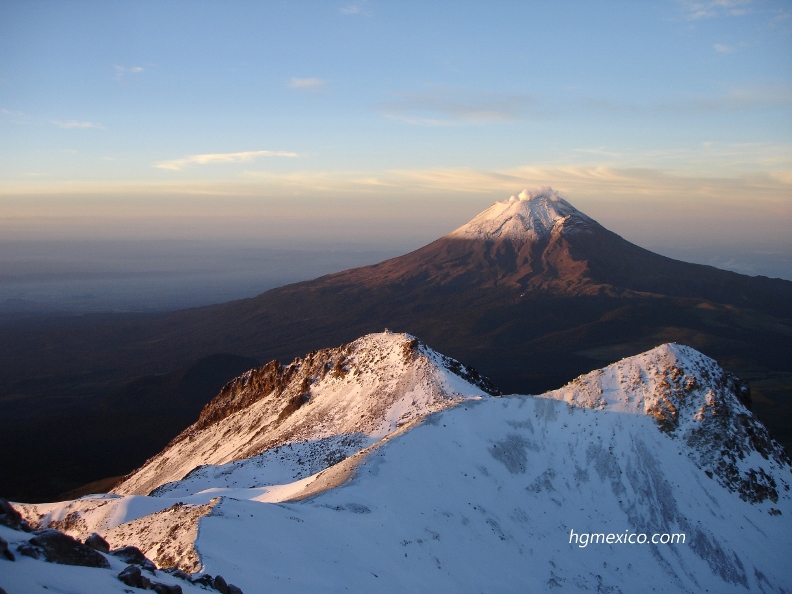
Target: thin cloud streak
618, 181
15, 117
307, 84
643, 204
452, 107
353, 8
211, 158
76, 124
707, 9
122, 71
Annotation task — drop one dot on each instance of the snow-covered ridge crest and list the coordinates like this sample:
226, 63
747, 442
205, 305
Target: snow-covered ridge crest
691, 398
524, 217
479, 497
298, 419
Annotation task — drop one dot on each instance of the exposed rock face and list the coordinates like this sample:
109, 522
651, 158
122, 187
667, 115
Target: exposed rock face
160, 588
317, 410
56, 547
133, 555
5, 551
167, 536
692, 398
132, 576
11, 517
96, 542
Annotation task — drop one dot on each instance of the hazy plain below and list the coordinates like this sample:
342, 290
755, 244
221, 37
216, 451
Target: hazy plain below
85, 276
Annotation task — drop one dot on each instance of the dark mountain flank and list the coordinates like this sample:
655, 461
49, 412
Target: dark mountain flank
531, 293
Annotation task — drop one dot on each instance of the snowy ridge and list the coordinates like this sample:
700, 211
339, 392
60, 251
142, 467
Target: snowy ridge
691, 398
481, 496
524, 218
290, 422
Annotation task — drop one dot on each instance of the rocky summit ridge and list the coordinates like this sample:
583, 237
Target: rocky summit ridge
312, 413
430, 480
692, 399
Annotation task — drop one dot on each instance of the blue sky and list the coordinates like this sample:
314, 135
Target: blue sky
393, 121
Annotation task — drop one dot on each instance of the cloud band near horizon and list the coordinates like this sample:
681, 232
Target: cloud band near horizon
209, 158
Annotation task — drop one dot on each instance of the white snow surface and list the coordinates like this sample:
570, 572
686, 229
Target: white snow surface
524, 218
482, 496
355, 395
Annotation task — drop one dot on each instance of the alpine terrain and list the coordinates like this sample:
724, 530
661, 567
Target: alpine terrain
531, 292
385, 466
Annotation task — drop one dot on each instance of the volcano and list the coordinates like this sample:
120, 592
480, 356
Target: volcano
531, 292
536, 242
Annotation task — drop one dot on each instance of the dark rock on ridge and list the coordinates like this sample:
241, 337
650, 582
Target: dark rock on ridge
133, 556
57, 547
96, 542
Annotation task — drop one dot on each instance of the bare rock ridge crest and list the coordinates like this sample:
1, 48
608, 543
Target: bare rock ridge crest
328, 404
321, 409
692, 399
385, 444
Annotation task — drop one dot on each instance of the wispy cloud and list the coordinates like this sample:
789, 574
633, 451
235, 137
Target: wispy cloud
450, 108
707, 9
76, 124
15, 117
122, 72
211, 158
735, 99
353, 8
312, 85
738, 98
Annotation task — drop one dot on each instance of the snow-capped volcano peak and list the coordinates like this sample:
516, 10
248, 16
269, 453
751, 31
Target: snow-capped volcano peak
526, 216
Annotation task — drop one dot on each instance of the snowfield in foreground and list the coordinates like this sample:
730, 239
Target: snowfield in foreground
483, 495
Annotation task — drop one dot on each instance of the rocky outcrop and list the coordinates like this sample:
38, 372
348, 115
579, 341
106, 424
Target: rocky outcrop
132, 576
691, 398
5, 551
11, 517
57, 547
134, 556
96, 542
356, 393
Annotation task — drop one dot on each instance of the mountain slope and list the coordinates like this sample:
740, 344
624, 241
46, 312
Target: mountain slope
301, 418
503, 494
693, 400
531, 292
537, 241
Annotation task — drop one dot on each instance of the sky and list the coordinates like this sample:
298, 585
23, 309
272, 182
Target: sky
385, 123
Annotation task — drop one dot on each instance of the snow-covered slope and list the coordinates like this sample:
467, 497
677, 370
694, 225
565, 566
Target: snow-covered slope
526, 217
289, 422
486, 497
693, 400
491, 495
